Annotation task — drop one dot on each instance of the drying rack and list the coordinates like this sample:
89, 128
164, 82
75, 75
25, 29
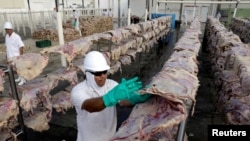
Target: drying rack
8, 69
182, 126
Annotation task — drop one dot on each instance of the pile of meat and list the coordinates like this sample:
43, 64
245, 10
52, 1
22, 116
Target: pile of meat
230, 67
159, 117
121, 45
29, 65
241, 27
69, 34
88, 26
36, 100
8, 119
95, 24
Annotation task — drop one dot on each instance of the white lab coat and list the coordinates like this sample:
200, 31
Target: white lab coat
75, 15
97, 126
218, 16
13, 44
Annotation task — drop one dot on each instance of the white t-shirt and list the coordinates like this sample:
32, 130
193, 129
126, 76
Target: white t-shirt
97, 126
110, 13
218, 15
13, 43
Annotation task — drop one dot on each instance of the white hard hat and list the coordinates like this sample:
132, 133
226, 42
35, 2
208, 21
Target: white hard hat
95, 61
8, 25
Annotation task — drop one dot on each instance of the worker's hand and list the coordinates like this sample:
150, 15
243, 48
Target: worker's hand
125, 90
139, 98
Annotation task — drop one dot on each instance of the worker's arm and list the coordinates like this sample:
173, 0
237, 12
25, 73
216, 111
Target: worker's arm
125, 90
93, 105
21, 50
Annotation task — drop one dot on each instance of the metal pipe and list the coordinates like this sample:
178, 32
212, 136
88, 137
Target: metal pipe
119, 13
28, 1
60, 33
235, 9
181, 11
181, 131
15, 95
129, 20
63, 4
182, 125
146, 11
194, 12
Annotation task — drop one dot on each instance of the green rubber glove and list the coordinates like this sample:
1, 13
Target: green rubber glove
139, 98
125, 90
74, 23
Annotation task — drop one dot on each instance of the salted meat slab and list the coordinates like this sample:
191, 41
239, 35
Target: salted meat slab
151, 118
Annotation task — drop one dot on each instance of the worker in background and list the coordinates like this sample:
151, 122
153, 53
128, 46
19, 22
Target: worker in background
184, 18
54, 18
75, 17
218, 16
14, 47
110, 12
96, 97
104, 12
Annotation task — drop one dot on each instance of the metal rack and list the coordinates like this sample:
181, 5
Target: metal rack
182, 126
8, 69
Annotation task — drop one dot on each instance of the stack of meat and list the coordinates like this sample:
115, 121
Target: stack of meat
8, 119
124, 42
69, 34
29, 65
35, 98
97, 24
70, 50
230, 66
158, 118
37, 101
241, 27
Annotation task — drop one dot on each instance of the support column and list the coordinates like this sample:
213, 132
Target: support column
235, 9
60, 33
129, 20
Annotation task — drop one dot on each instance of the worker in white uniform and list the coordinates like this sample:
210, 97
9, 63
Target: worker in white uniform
54, 18
14, 47
218, 16
75, 17
96, 97
184, 18
104, 12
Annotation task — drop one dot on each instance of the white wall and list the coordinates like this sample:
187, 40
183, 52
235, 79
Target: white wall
103, 4
14, 4
37, 5
138, 7
123, 8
